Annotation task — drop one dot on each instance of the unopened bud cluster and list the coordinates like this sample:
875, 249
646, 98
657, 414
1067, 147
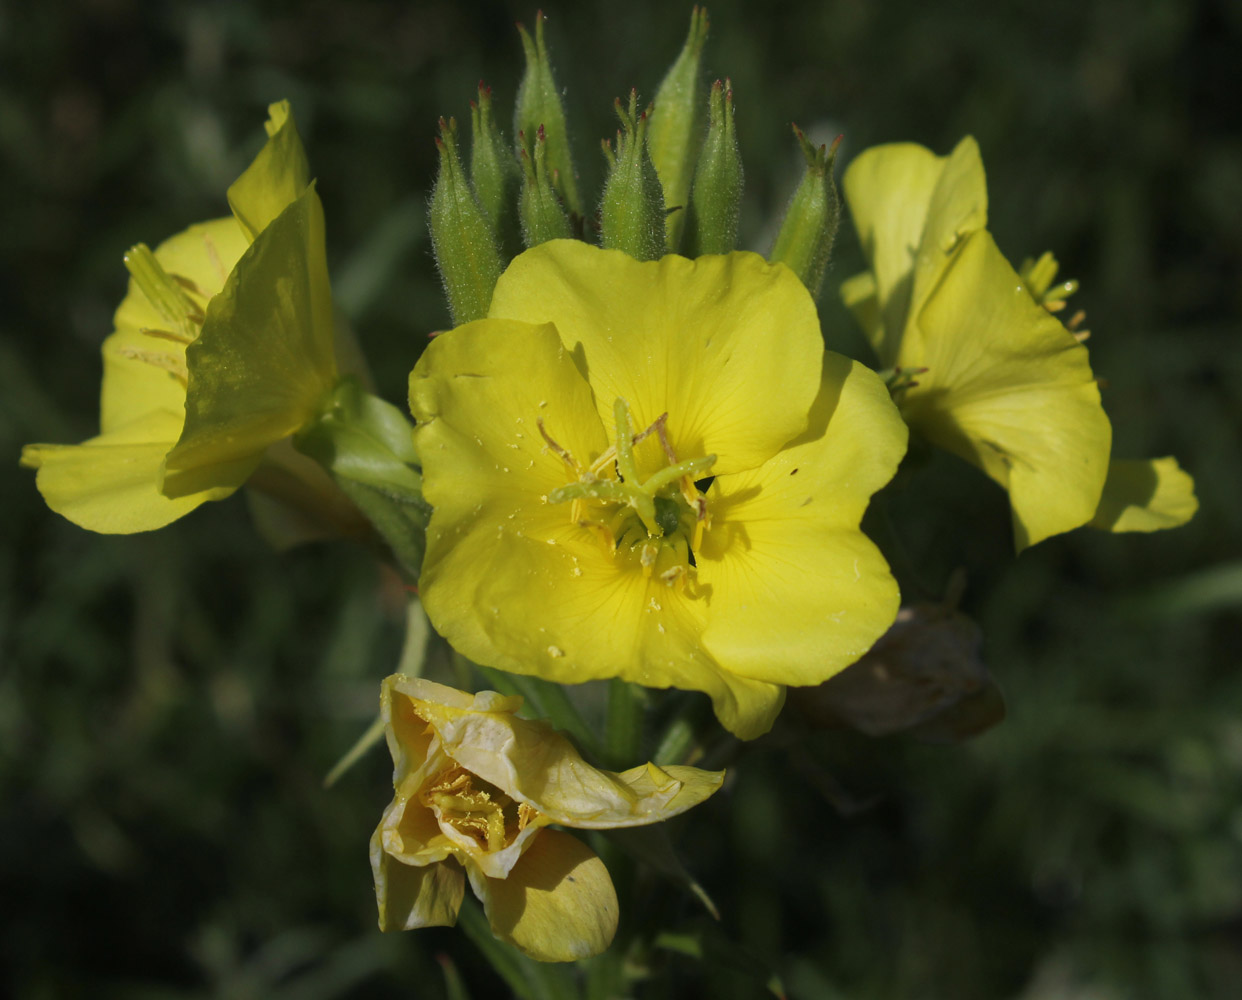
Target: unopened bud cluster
673, 185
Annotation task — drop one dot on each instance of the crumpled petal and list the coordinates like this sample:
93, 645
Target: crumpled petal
744, 337
411, 896
1145, 495
1010, 390
785, 561
534, 763
558, 903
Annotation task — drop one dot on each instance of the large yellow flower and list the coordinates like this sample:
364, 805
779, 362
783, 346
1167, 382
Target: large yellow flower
1006, 386
476, 788
654, 471
223, 346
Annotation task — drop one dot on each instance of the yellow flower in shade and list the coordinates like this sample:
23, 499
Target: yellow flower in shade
654, 471
476, 790
1139, 494
1000, 382
223, 346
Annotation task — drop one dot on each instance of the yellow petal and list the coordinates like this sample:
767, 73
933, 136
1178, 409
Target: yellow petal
110, 483
204, 255
911, 208
1146, 495
1010, 390
710, 341
412, 896
265, 356
558, 903
278, 175
798, 592
479, 393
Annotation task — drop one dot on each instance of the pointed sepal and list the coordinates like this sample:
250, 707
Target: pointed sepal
539, 209
632, 209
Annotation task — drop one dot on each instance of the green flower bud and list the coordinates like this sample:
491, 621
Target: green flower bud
716, 198
676, 130
367, 447
810, 224
539, 106
632, 210
461, 235
494, 172
539, 208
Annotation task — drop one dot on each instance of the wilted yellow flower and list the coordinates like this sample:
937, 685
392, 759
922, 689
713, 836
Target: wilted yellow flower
654, 471
1000, 381
476, 790
223, 346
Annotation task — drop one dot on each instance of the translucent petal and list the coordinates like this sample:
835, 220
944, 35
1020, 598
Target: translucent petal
710, 341
535, 764
1010, 390
204, 255
1145, 495
265, 357
557, 904
276, 177
798, 592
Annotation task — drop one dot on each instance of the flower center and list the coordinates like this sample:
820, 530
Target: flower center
181, 305
464, 801
658, 521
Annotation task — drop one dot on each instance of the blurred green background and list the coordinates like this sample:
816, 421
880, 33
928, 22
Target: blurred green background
169, 703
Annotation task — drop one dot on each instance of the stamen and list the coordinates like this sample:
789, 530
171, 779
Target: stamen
173, 365
565, 455
164, 294
176, 338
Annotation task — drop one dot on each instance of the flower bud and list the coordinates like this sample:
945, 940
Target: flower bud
676, 130
632, 209
494, 172
539, 106
461, 235
539, 209
810, 224
716, 198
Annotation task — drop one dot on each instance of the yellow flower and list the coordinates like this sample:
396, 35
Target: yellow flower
476, 789
654, 471
1000, 382
223, 346
1139, 494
